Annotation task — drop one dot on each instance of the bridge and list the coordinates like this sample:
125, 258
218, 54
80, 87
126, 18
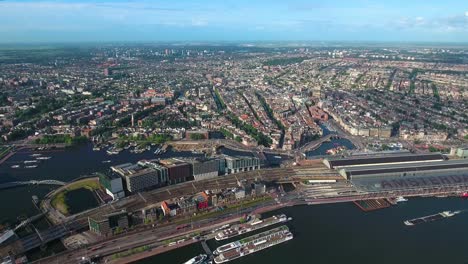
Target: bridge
32, 182
29, 220
316, 143
41, 237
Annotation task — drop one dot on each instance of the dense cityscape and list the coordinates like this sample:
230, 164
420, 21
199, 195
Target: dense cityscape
241, 132
225, 129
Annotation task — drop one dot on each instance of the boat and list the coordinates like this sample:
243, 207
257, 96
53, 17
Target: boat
106, 161
401, 199
96, 148
112, 151
336, 150
43, 158
430, 218
31, 166
255, 243
227, 247
36, 155
197, 260
464, 195
249, 227
30, 161
15, 166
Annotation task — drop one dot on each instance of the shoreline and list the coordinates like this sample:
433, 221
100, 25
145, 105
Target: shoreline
163, 249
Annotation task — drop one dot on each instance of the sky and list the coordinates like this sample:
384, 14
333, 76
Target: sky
233, 20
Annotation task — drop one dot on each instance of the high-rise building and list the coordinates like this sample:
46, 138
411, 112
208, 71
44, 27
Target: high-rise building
205, 169
178, 170
241, 163
113, 185
109, 224
141, 176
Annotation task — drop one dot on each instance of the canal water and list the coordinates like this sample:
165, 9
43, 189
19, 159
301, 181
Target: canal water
341, 233
322, 150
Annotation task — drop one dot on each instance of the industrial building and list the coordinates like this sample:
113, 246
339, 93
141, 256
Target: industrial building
113, 185
109, 224
398, 171
404, 170
385, 159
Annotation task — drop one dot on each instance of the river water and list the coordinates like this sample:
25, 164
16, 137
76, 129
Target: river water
341, 233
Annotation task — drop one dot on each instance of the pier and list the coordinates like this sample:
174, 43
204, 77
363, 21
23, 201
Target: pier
206, 248
372, 205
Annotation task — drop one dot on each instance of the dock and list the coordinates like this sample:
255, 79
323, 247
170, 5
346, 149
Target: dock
206, 248
372, 205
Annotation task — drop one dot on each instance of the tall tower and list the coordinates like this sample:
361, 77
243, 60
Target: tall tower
133, 121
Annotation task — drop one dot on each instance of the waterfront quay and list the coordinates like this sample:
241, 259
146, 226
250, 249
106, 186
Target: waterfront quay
321, 183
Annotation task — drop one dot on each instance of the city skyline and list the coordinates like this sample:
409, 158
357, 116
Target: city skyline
83, 20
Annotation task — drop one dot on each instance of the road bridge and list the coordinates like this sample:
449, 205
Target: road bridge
29, 220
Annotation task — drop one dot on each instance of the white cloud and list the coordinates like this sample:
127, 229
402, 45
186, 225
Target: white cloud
466, 13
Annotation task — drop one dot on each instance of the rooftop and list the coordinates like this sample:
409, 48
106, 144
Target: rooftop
382, 159
407, 167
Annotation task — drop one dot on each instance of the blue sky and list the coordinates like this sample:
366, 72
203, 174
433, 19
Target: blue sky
233, 20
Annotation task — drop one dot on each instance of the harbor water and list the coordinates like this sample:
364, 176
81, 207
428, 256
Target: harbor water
342, 233
63, 165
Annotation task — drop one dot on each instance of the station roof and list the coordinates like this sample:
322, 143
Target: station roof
351, 172
335, 163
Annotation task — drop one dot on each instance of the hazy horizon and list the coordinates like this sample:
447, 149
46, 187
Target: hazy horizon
72, 21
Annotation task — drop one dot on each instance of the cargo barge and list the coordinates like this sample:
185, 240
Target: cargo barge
249, 227
252, 244
431, 218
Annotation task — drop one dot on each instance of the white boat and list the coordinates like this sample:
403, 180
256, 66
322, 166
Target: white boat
31, 167
15, 166
36, 155
400, 199
106, 161
30, 161
43, 158
197, 260
227, 247
113, 152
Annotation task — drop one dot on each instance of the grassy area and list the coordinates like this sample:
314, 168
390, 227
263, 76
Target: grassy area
130, 252
4, 151
59, 200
